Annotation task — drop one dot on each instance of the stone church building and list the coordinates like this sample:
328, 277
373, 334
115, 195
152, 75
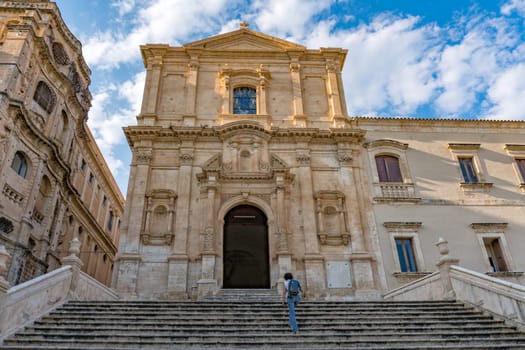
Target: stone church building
246, 165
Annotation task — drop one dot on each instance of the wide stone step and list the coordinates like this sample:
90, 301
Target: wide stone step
285, 342
263, 325
216, 335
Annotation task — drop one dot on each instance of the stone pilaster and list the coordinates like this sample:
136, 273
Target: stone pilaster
26, 225
178, 261
208, 284
334, 97
297, 93
191, 90
128, 258
151, 91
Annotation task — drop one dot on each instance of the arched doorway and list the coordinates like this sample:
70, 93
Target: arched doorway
245, 248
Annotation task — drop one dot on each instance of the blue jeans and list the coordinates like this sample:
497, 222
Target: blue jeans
292, 301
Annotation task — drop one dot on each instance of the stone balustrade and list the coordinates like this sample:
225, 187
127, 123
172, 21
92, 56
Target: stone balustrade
498, 297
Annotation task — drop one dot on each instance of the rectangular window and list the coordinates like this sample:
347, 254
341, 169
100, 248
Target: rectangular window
405, 253
104, 201
495, 254
91, 178
83, 165
468, 170
521, 168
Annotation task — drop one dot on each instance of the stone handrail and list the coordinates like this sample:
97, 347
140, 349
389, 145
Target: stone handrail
91, 289
501, 298
425, 288
498, 297
28, 301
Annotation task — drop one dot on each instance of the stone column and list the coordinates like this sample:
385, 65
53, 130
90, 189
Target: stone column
362, 261
208, 284
297, 93
151, 88
444, 264
4, 286
178, 260
128, 257
284, 257
225, 75
74, 261
334, 97
313, 261
191, 92
261, 100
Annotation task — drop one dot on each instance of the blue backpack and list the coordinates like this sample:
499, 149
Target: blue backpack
293, 288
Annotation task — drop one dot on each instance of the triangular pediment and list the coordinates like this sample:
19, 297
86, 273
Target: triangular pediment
246, 40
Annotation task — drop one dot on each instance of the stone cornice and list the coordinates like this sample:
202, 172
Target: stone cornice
515, 147
489, 226
464, 146
309, 135
386, 143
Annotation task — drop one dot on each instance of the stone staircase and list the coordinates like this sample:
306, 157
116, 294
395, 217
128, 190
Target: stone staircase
227, 321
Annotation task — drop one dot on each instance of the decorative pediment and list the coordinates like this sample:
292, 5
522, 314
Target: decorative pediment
278, 163
216, 167
246, 40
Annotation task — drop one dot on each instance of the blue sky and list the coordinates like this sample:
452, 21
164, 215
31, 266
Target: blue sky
414, 58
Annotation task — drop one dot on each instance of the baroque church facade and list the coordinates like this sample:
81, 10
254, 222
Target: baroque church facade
246, 165
55, 184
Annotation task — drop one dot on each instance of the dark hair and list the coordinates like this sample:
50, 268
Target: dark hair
288, 276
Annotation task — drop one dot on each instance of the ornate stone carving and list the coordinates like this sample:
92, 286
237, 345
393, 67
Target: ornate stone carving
12, 194
143, 156
303, 159
186, 159
345, 159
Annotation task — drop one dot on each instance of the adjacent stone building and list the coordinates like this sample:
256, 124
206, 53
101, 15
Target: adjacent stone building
54, 182
246, 165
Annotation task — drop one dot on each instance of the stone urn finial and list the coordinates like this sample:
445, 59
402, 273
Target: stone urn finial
74, 247
442, 245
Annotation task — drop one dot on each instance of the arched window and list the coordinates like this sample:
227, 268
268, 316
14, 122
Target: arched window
388, 169
44, 96
110, 221
19, 164
244, 100
60, 54
63, 127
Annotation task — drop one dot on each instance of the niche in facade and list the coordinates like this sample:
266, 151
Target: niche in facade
331, 218
159, 219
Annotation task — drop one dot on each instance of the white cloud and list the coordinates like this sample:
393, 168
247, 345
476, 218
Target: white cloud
124, 6
514, 5
390, 63
508, 95
469, 68
106, 118
159, 21
288, 18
